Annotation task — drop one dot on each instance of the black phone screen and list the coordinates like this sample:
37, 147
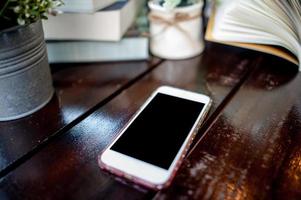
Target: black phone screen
159, 131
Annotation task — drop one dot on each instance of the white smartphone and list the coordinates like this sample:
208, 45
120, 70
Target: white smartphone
152, 145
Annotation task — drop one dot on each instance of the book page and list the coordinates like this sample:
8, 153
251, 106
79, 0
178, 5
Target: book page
258, 22
266, 24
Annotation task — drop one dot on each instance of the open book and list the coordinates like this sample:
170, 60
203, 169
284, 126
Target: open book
271, 26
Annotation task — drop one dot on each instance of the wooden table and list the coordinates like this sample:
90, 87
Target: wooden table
248, 148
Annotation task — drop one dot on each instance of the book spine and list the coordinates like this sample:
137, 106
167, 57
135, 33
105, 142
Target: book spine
84, 6
79, 52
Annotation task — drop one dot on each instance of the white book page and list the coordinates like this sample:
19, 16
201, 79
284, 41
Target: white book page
231, 25
294, 13
258, 21
265, 24
273, 12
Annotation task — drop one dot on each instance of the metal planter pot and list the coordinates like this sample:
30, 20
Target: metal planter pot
25, 78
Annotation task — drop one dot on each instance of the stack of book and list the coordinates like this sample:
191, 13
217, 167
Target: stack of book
269, 26
97, 30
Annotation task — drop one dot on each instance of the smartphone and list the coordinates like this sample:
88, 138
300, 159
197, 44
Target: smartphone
150, 148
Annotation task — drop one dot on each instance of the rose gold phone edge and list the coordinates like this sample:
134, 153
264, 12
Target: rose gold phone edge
137, 180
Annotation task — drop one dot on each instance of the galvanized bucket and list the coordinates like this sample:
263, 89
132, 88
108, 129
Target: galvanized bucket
25, 79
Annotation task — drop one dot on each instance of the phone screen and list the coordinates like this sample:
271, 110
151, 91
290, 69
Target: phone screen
157, 134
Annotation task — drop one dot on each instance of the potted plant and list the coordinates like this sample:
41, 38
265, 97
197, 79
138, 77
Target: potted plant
25, 79
175, 28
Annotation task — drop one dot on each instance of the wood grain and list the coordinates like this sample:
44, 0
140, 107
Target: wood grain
252, 151
67, 168
78, 89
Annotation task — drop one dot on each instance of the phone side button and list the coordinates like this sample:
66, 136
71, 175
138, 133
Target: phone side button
128, 177
191, 139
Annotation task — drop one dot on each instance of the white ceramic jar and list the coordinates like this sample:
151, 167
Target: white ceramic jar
176, 33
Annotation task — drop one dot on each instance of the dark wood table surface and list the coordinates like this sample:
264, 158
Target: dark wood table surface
248, 148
